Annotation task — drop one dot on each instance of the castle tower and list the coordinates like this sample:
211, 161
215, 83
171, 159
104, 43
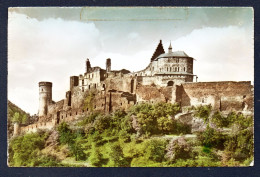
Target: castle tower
88, 66
170, 48
108, 65
45, 97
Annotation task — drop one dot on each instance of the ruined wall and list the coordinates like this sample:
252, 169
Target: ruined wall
152, 94
37, 126
223, 96
53, 108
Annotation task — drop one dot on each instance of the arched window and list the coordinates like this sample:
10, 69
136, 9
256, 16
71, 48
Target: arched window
178, 69
167, 69
95, 85
170, 69
184, 69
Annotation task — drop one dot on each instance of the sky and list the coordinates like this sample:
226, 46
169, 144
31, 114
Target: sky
52, 44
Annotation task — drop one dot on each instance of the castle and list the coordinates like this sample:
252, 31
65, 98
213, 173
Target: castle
168, 78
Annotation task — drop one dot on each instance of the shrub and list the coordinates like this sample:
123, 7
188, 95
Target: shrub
155, 149
203, 112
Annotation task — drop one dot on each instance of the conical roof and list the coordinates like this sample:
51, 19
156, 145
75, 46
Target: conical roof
159, 50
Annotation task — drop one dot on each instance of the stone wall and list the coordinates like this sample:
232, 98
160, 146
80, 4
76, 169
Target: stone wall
152, 94
223, 96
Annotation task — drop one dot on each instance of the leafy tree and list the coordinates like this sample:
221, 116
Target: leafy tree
211, 138
165, 124
24, 119
96, 157
156, 149
16, 117
203, 112
117, 157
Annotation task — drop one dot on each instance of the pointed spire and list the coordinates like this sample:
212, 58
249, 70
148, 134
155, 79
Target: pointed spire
170, 48
159, 50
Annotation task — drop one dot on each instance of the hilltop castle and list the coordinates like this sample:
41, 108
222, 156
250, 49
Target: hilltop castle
168, 78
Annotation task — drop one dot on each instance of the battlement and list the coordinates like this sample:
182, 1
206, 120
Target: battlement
45, 84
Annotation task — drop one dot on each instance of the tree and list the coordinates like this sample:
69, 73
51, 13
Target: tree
117, 157
16, 117
24, 119
96, 157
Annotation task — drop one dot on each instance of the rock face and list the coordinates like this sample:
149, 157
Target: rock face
168, 78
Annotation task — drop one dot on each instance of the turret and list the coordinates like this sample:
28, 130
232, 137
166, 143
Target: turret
170, 48
88, 66
45, 97
108, 65
16, 129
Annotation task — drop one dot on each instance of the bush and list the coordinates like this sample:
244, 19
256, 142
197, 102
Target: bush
116, 156
96, 157
203, 112
212, 138
155, 149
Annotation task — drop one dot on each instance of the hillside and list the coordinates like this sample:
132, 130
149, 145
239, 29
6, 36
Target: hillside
146, 135
12, 110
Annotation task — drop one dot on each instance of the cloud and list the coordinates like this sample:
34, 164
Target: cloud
48, 50
221, 53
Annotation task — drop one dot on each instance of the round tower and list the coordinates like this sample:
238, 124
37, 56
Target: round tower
45, 97
108, 65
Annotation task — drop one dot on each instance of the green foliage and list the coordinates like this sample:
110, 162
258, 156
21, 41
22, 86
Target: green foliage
155, 149
155, 119
26, 151
88, 102
96, 157
73, 139
116, 156
211, 138
203, 112
16, 117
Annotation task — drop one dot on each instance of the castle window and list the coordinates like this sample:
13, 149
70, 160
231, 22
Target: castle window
184, 69
104, 86
170, 69
95, 106
178, 69
87, 109
121, 104
95, 85
82, 110
167, 69
153, 68
83, 82
82, 89
170, 83
70, 114
88, 86
66, 115
42, 90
